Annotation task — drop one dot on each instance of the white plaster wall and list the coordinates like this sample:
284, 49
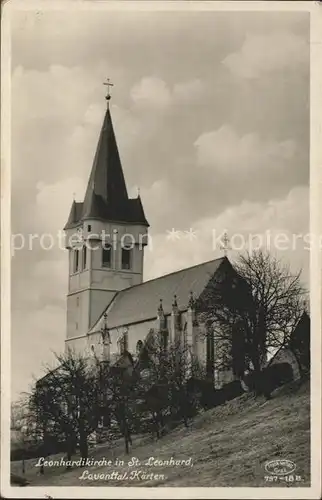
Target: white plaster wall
79, 281
135, 332
95, 286
78, 305
99, 299
78, 345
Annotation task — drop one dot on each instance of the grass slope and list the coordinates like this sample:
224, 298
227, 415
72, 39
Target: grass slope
229, 446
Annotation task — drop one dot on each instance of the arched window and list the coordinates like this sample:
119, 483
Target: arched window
84, 256
139, 346
107, 255
126, 257
123, 343
76, 260
120, 345
164, 339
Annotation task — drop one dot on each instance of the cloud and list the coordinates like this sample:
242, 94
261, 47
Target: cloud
248, 225
56, 90
155, 94
262, 54
53, 202
284, 214
188, 91
225, 150
151, 92
279, 225
43, 330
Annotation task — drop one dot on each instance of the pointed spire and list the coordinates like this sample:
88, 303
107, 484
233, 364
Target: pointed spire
74, 214
106, 196
175, 303
160, 308
162, 321
191, 302
106, 182
176, 315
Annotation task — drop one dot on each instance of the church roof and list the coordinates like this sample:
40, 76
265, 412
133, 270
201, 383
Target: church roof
139, 303
75, 214
106, 196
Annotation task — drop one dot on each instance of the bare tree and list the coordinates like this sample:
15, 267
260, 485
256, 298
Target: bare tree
119, 388
278, 302
21, 425
252, 311
222, 309
169, 366
65, 403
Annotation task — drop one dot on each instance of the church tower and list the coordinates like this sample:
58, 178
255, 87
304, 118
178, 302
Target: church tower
105, 238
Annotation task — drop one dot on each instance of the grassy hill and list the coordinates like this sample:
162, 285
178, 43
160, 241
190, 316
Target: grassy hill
229, 446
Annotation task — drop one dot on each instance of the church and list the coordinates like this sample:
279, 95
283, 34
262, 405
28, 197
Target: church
110, 309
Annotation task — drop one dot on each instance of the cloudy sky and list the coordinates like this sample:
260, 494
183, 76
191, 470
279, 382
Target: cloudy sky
211, 114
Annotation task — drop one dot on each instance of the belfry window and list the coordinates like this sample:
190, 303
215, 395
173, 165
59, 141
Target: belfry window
107, 256
76, 260
84, 256
126, 257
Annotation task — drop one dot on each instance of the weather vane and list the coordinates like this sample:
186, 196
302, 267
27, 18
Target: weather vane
108, 84
225, 244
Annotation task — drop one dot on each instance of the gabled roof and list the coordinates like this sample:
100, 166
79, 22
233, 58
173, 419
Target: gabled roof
106, 196
139, 303
300, 332
75, 214
302, 328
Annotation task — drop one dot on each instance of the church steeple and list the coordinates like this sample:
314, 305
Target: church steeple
106, 196
111, 230
106, 190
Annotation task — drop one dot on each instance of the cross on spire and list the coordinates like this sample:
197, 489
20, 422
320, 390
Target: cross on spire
108, 85
225, 244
